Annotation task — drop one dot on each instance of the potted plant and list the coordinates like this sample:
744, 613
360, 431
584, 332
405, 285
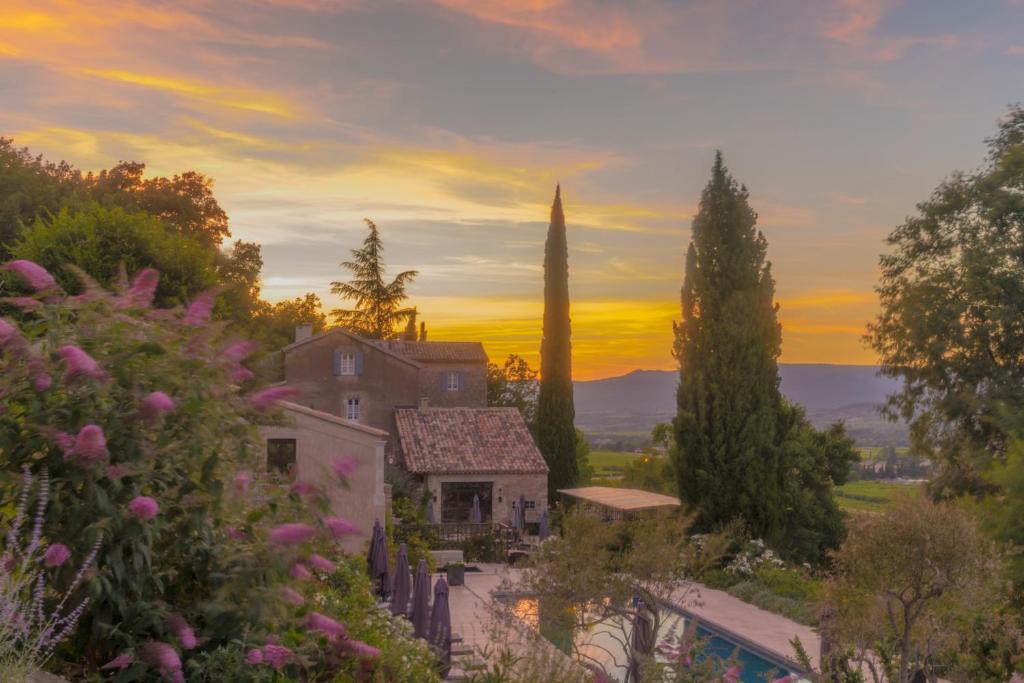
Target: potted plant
456, 573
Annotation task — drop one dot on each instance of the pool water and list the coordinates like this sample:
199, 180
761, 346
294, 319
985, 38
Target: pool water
604, 642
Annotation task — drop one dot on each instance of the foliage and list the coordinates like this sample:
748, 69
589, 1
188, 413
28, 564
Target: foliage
238, 271
514, 385
593, 570
554, 430
378, 305
34, 622
1002, 512
103, 241
482, 548
743, 452
873, 496
951, 326
910, 585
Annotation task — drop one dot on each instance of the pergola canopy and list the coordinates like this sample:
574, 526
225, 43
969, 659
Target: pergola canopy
621, 500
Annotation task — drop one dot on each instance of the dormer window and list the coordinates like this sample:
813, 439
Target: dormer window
451, 381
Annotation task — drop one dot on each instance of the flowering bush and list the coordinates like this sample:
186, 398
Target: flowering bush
140, 417
754, 555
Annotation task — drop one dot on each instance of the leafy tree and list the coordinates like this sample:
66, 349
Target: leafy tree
30, 188
914, 587
378, 305
586, 472
555, 431
101, 241
514, 385
952, 323
742, 451
238, 271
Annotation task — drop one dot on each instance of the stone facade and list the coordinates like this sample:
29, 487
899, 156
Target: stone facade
505, 489
319, 439
434, 385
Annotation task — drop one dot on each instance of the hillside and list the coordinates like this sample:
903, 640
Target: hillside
627, 407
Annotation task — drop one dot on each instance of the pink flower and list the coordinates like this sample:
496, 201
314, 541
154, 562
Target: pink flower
299, 572
154, 404
10, 337
64, 441
359, 648
240, 374
144, 508
182, 631
276, 656
79, 363
267, 398
38, 278
732, 674
291, 534
56, 555
254, 657
238, 350
42, 381
303, 488
321, 563
161, 657
115, 472
24, 303
242, 481
318, 622
345, 466
293, 596
340, 527
143, 288
90, 444
198, 313
236, 534
118, 662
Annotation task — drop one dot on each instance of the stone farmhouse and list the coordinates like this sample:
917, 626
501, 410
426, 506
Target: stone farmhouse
428, 402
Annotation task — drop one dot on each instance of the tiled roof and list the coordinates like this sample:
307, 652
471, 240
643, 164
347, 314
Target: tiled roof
437, 351
467, 441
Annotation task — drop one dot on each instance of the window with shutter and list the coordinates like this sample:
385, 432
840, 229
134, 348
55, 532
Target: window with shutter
352, 408
344, 363
358, 363
452, 381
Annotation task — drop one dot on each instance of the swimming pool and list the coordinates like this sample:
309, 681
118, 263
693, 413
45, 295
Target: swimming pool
603, 643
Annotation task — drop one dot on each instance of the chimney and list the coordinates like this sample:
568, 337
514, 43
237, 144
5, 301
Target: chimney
303, 331
424, 403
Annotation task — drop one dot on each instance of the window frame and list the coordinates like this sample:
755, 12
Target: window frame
347, 363
350, 403
274, 464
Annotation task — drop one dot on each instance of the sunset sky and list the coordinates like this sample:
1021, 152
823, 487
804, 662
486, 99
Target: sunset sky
450, 122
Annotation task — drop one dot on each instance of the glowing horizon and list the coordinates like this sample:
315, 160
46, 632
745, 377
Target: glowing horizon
449, 122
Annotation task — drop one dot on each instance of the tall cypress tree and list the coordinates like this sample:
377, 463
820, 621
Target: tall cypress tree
731, 415
556, 432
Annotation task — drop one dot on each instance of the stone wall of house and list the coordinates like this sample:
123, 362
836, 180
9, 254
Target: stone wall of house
319, 441
386, 382
473, 393
506, 488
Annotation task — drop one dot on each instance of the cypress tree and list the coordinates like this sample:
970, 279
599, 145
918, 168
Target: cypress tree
731, 415
555, 430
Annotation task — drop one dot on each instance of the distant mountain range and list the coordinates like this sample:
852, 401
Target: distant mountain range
628, 406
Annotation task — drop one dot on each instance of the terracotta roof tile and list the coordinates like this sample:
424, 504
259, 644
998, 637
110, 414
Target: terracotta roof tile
467, 441
437, 351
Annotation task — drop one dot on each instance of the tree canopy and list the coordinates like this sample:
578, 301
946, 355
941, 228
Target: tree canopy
378, 305
952, 315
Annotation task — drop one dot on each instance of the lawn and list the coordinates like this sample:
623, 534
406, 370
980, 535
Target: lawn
602, 460
873, 496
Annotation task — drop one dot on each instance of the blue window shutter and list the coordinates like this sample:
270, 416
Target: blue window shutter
337, 362
444, 381
462, 381
359, 363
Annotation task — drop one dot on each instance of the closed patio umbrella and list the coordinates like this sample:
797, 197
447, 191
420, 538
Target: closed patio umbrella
475, 516
430, 512
542, 529
375, 537
420, 613
521, 512
402, 585
379, 561
440, 634
641, 640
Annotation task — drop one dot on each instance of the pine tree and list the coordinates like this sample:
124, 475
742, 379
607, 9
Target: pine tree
555, 431
410, 327
378, 304
731, 414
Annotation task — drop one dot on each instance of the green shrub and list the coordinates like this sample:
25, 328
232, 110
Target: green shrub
482, 548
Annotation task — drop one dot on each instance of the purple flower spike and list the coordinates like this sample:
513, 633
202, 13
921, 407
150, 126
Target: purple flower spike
56, 555
42, 381
254, 657
345, 466
293, 596
79, 363
318, 622
163, 658
299, 572
155, 404
90, 445
144, 508
238, 350
240, 374
38, 278
358, 648
321, 563
291, 534
276, 656
24, 303
198, 313
340, 527
10, 337
182, 631
144, 288
118, 662
265, 399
